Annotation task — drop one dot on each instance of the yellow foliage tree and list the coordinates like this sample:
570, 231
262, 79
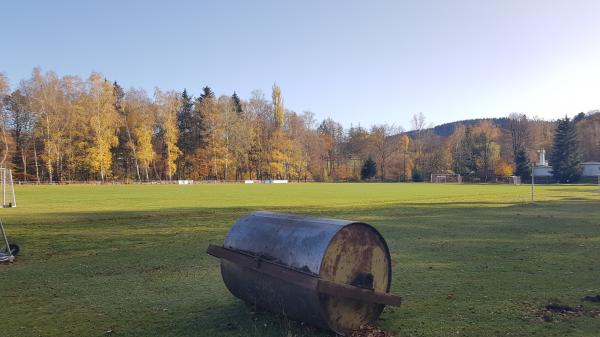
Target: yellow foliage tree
104, 121
144, 152
140, 121
216, 138
167, 106
278, 106
280, 144
503, 169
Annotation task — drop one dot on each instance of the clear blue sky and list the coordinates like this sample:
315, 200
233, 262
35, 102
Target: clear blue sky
355, 61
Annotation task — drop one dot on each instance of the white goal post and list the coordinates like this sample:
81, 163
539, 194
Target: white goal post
511, 180
446, 178
8, 189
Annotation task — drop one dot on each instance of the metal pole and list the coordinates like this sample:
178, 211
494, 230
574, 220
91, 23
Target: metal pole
5, 238
532, 180
404, 165
3, 187
12, 189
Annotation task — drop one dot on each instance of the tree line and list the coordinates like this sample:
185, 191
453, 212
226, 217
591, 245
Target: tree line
70, 129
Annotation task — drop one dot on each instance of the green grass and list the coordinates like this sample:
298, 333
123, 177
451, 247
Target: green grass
469, 260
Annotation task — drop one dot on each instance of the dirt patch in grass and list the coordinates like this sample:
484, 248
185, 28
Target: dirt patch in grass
556, 311
370, 331
595, 299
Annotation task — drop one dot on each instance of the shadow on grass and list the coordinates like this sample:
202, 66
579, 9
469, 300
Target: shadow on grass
455, 263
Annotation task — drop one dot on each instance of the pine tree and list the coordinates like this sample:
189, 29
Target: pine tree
565, 158
185, 124
522, 164
237, 103
369, 169
121, 153
206, 93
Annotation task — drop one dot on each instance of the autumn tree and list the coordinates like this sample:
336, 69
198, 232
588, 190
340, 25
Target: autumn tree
486, 150
518, 128
418, 141
103, 121
66, 128
357, 148
44, 96
279, 152
140, 121
459, 152
588, 136
4, 90
541, 136
76, 134
167, 105
22, 121
384, 141
122, 154
258, 114
332, 137
503, 169
404, 146
436, 157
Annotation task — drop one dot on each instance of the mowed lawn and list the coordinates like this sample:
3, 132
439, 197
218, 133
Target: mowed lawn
469, 260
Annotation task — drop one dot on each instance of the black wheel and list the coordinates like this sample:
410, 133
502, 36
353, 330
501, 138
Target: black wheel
14, 249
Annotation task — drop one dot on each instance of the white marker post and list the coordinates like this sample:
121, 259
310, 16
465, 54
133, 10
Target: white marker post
532, 180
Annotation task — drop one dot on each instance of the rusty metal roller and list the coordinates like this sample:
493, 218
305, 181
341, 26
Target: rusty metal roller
334, 274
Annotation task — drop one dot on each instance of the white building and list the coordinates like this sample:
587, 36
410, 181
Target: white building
591, 169
542, 169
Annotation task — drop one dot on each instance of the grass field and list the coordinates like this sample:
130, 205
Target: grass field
469, 260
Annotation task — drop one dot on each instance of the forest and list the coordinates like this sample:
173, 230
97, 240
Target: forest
66, 129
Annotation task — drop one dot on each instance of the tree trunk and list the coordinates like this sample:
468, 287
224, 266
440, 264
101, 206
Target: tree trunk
24, 162
37, 170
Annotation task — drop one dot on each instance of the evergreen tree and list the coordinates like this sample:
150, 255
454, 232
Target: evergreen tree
522, 168
206, 93
467, 164
199, 127
200, 120
121, 153
369, 169
565, 158
237, 103
578, 118
185, 124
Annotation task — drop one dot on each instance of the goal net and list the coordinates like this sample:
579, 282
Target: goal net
446, 178
8, 189
511, 180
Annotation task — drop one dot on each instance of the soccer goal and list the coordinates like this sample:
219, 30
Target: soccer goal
8, 189
511, 180
446, 178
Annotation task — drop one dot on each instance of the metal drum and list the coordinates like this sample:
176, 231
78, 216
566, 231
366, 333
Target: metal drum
334, 274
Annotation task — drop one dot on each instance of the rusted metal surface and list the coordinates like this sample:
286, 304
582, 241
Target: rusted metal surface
303, 279
272, 269
331, 273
